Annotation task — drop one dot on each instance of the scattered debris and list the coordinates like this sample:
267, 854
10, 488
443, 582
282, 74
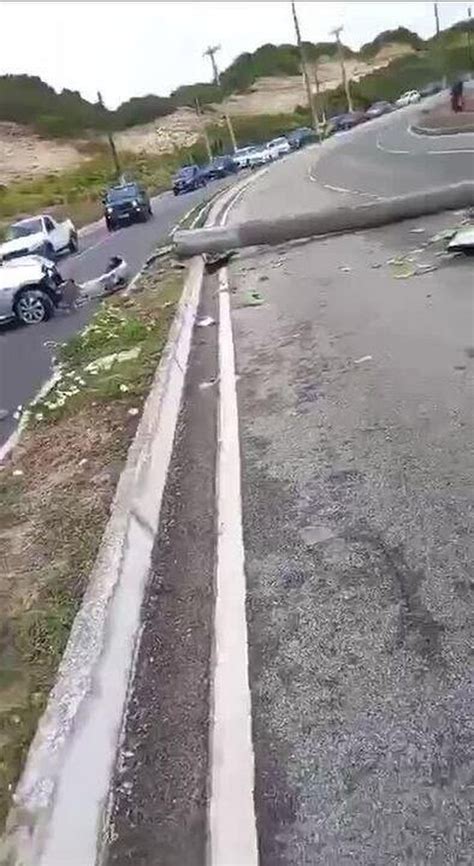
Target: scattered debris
214, 261
363, 359
263, 278
205, 321
463, 241
445, 235
203, 386
4, 413
376, 265
417, 231
107, 361
253, 299
82, 462
133, 411
345, 269
316, 534
403, 271
425, 269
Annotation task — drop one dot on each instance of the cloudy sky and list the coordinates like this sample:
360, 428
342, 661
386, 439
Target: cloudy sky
131, 48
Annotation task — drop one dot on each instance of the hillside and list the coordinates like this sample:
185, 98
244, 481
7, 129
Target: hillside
65, 130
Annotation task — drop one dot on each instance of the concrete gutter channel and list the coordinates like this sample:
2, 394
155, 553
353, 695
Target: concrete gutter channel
61, 802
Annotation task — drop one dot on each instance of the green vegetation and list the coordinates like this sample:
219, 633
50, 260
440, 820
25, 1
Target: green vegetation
400, 36
53, 509
27, 99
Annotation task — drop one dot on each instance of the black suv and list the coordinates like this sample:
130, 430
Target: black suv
126, 203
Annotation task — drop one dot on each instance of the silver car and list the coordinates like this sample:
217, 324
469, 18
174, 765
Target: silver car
30, 289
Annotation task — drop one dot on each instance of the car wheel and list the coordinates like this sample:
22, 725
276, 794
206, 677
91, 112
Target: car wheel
110, 226
150, 210
73, 243
175, 192
33, 307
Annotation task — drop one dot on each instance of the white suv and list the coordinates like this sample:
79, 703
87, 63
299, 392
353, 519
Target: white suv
279, 146
407, 98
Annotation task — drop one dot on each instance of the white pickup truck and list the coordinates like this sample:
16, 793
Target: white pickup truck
41, 236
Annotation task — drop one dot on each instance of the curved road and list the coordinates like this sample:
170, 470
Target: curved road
385, 158
25, 360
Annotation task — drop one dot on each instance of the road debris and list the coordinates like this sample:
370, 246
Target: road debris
214, 261
203, 386
363, 359
253, 299
205, 321
4, 413
417, 231
345, 269
463, 241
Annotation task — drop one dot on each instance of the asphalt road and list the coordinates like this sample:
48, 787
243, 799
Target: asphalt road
355, 386
25, 360
386, 158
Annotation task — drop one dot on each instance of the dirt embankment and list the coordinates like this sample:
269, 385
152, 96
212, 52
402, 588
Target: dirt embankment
25, 155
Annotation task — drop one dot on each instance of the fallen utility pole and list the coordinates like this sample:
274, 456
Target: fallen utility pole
347, 218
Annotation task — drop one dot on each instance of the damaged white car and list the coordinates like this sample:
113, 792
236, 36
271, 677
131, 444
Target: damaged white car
31, 288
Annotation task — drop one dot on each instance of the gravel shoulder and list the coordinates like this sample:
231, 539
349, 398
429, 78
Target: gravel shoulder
355, 402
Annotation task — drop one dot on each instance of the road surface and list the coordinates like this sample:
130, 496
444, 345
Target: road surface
354, 397
25, 360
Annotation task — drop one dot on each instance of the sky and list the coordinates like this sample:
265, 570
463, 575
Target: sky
129, 49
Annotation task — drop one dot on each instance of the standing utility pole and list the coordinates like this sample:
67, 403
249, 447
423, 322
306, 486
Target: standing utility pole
469, 47
111, 141
345, 83
436, 15
204, 130
320, 103
211, 52
304, 69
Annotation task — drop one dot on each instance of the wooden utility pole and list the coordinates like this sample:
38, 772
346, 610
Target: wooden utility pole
304, 69
320, 102
345, 83
204, 130
211, 53
436, 15
113, 149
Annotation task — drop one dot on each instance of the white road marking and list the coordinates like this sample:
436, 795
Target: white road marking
446, 152
380, 146
341, 189
233, 834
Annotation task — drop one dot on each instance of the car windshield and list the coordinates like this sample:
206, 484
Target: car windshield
242, 150
122, 193
23, 229
187, 170
277, 141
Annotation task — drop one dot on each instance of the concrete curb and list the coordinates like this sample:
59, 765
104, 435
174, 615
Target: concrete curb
332, 220
61, 801
438, 130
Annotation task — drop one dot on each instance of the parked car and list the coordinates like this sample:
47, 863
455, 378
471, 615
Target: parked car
259, 155
408, 98
188, 178
341, 122
242, 154
40, 235
300, 137
221, 166
431, 89
278, 146
30, 289
126, 203
378, 108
